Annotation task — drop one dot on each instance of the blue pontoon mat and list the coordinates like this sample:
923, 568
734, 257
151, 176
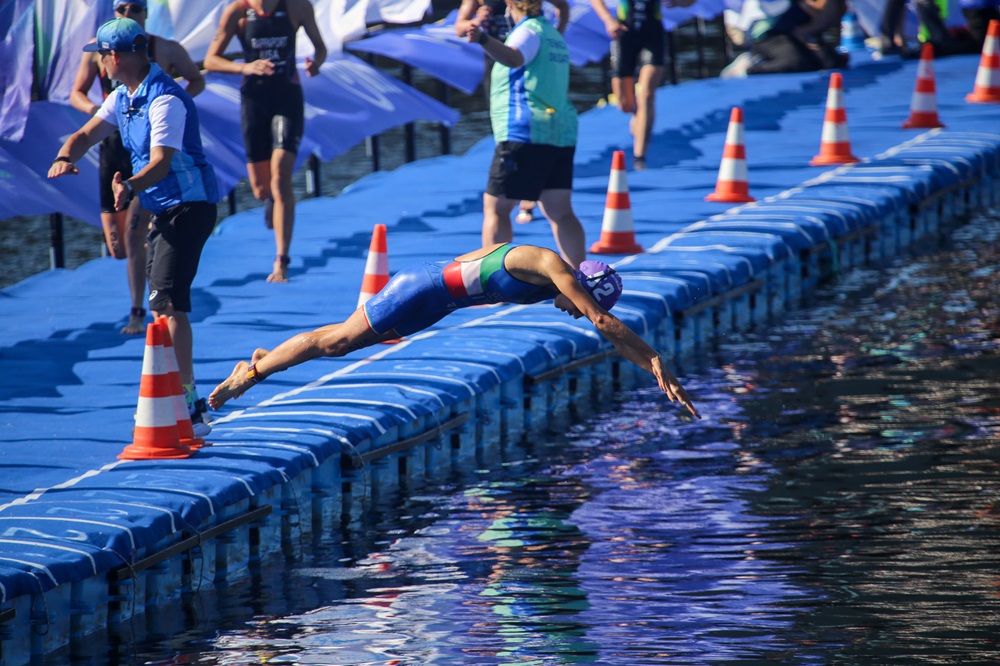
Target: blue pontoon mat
70, 510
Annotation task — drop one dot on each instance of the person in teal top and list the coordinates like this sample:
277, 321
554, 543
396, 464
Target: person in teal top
419, 296
534, 125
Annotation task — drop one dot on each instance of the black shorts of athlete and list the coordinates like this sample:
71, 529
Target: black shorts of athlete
114, 158
636, 49
272, 115
524, 170
176, 239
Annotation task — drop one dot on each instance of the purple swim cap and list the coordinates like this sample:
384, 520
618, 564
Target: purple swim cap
601, 281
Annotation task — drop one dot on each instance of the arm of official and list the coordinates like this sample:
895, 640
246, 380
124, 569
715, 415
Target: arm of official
77, 145
520, 48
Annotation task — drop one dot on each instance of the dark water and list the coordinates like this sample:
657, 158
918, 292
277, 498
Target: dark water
24, 241
840, 504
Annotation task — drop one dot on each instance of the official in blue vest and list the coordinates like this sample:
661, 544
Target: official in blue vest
159, 127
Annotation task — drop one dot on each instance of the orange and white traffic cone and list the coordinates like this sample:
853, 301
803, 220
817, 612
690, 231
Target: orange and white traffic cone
835, 146
155, 435
987, 88
184, 429
923, 104
376, 270
376, 267
617, 231
731, 185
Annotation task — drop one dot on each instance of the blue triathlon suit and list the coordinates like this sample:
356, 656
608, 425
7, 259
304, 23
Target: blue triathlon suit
420, 296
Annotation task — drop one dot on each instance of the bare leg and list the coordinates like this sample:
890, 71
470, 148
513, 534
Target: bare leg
114, 225
624, 90
645, 96
333, 340
282, 165
260, 183
496, 219
557, 207
135, 243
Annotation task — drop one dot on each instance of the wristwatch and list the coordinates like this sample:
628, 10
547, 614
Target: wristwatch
131, 190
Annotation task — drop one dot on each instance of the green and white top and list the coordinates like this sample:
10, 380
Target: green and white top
530, 104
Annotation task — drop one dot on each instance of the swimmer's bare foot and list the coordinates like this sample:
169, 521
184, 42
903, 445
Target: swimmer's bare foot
280, 271
234, 386
136, 322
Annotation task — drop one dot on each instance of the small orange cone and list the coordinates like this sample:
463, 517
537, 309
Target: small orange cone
732, 186
987, 88
155, 434
835, 146
617, 232
923, 104
184, 429
376, 267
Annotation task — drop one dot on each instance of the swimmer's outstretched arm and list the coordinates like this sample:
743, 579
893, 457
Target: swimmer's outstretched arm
625, 341
333, 340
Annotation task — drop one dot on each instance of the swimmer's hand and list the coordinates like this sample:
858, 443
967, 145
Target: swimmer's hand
258, 68
312, 67
669, 384
62, 168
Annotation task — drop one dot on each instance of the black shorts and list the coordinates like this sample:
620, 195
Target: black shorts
272, 115
634, 50
176, 238
114, 158
524, 170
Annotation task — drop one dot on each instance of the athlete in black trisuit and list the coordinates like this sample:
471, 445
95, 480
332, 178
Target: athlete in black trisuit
272, 106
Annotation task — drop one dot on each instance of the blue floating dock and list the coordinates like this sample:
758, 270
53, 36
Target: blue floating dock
89, 542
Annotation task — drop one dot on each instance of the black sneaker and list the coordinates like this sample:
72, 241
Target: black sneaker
199, 419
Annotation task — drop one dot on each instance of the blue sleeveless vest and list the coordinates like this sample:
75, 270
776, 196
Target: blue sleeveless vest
191, 177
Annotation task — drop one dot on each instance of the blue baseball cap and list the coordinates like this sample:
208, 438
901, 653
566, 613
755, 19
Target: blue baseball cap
601, 281
120, 34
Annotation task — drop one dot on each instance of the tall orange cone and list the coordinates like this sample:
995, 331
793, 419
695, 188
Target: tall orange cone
184, 429
376, 270
155, 434
617, 231
835, 146
987, 88
732, 185
923, 104
377, 266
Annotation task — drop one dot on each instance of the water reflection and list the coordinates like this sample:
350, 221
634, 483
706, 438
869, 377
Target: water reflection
840, 504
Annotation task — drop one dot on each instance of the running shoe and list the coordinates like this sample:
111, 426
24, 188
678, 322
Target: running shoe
200, 423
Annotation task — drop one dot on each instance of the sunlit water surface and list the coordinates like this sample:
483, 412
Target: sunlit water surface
837, 505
